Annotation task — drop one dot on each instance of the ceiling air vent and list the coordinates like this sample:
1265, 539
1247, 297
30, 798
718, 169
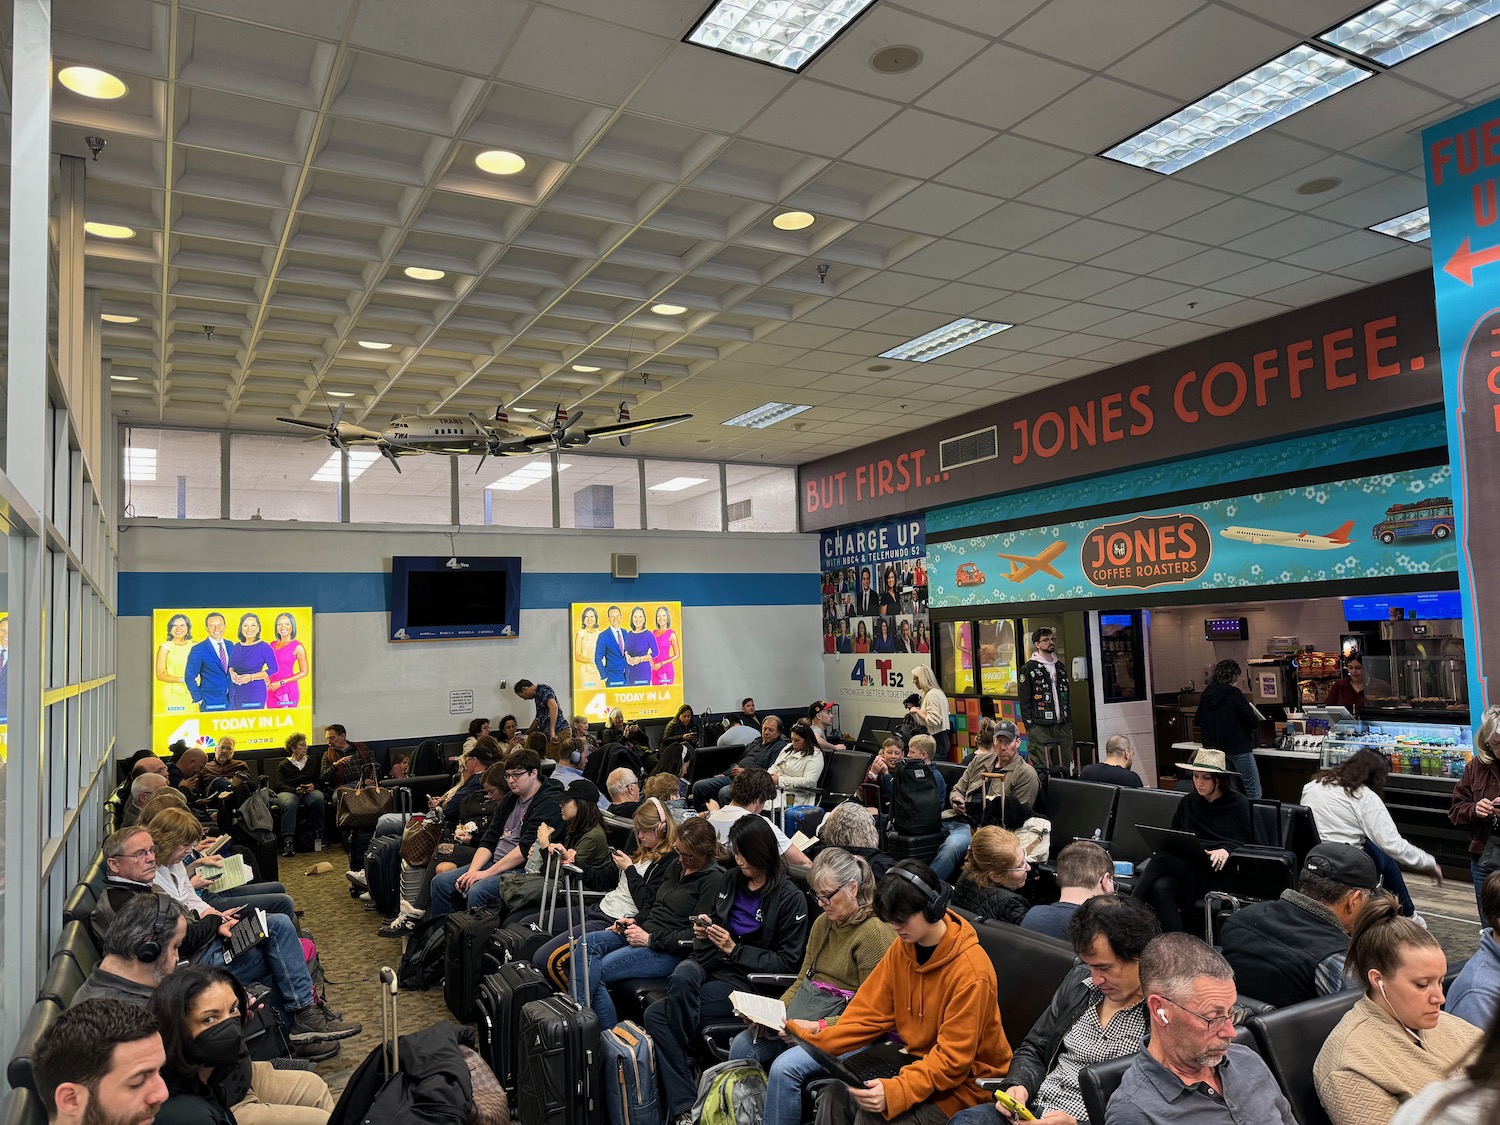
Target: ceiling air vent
739, 511
968, 449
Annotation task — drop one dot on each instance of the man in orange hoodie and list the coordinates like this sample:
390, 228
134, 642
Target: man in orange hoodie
936, 989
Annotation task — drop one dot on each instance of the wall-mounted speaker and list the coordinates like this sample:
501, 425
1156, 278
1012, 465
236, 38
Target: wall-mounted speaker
624, 566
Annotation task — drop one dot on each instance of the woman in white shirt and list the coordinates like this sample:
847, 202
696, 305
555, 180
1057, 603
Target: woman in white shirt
798, 767
932, 711
1348, 806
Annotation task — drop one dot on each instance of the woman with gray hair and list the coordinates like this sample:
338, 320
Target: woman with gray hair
851, 826
846, 943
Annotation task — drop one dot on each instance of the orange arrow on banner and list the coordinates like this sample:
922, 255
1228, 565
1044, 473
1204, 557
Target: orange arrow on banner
1465, 261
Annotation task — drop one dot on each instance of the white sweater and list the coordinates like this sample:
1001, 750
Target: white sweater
1342, 819
798, 774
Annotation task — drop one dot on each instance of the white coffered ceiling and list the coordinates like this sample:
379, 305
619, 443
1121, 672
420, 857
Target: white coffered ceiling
284, 161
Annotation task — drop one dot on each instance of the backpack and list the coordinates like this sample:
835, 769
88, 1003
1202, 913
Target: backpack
915, 807
732, 1093
424, 960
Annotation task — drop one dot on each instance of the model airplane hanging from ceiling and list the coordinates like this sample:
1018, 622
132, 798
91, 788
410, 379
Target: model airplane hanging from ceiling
454, 434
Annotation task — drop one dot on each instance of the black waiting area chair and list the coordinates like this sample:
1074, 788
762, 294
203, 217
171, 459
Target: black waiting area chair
1079, 810
1289, 1040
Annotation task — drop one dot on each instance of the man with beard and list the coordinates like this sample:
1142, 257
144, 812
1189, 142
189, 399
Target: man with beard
100, 1064
1192, 1071
141, 947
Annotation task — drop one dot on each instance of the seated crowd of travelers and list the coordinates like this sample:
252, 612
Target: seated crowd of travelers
710, 891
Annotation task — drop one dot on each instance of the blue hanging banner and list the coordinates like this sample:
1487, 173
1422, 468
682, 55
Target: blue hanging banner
1463, 166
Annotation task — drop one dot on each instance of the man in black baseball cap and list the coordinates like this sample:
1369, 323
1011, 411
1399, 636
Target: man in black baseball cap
1292, 949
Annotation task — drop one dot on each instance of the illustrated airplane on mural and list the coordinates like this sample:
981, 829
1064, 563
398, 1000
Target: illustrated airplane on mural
1265, 537
1023, 567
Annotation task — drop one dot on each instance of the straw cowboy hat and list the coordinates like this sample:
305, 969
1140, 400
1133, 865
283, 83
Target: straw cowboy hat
1210, 761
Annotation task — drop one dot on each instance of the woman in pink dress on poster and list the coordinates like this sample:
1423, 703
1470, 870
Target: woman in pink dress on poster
291, 665
664, 671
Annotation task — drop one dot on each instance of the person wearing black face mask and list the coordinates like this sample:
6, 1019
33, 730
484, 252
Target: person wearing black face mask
209, 1074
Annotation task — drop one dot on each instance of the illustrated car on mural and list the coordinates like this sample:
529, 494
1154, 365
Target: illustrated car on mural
969, 575
1429, 519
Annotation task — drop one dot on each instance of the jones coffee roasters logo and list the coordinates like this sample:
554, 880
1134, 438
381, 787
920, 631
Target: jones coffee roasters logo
1147, 551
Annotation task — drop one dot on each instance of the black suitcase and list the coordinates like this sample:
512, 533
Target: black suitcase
520, 943
383, 875
502, 995
467, 934
559, 1045
924, 847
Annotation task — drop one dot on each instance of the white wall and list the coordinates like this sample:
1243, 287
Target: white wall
383, 690
1134, 720
1179, 652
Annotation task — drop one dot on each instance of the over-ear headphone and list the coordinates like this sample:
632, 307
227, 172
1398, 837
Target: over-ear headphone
937, 900
151, 948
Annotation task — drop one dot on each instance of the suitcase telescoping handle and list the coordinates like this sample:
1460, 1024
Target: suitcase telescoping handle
388, 1025
581, 942
551, 865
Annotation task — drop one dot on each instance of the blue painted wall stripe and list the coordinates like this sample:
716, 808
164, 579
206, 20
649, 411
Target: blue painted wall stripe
370, 592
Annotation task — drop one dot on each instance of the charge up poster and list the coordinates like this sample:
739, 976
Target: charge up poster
241, 672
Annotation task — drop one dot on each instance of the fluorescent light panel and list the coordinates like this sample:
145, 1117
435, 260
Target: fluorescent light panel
140, 464
533, 472
359, 461
1413, 226
783, 33
1397, 30
949, 338
676, 484
1270, 93
767, 415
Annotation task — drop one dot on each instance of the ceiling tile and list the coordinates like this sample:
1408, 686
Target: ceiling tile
1254, 161
1165, 202
1207, 267
919, 144
947, 258
1148, 254
944, 49
1097, 115
708, 89
583, 58
471, 36
1095, 35
1226, 221
1212, 46
1090, 185
1262, 279
935, 209
818, 118
1083, 241
1288, 236
1002, 86
1012, 225
1366, 110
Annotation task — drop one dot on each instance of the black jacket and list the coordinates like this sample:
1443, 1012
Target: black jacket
1226, 720
1034, 1059
118, 891
289, 776
643, 888
467, 803
433, 1086
1276, 948
680, 898
546, 806
998, 903
1035, 698
194, 1102
777, 947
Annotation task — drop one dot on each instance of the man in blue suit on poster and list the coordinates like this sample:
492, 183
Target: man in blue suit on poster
609, 651
207, 671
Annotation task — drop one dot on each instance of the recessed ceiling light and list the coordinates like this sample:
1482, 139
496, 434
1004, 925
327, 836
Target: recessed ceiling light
1319, 186
119, 318
140, 464
788, 36
499, 162
587, 369
793, 220
949, 338
109, 230
523, 410
1270, 93
125, 378
766, 415
339, 394
1393, 32
421, 273
1414, 226
664, 309
375, 345
676, 484
90, 82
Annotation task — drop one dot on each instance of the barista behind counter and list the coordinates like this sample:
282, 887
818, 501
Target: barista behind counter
1350, 692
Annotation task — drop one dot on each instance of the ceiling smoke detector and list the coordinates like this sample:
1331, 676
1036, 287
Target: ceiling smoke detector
1319, 186
895, 60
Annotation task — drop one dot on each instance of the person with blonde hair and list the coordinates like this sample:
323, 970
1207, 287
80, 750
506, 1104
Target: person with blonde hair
993, 874
167, 798
175, 832
1396, 1040
845, 944
1476, 799
932, 711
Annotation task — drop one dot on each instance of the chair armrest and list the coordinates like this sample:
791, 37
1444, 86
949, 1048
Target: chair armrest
782, 981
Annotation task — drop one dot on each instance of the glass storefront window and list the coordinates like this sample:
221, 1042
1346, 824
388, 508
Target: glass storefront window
955, 656
172, 474
997, 657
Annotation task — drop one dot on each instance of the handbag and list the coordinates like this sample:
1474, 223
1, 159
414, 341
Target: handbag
420, 841
522, 890
361, 806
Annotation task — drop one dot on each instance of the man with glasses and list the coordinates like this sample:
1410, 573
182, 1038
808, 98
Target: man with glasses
503, 848
1042, 698
1192, 1072
624, 790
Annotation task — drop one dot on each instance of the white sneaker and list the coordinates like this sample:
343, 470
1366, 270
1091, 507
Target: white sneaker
357, 879
1419, 920
365, 897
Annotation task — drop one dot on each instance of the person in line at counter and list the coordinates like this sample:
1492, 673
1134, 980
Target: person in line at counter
1219, 817
1476, 797
1348, 806
1227, 722
1350, 691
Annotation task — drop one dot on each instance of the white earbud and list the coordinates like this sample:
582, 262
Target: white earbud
1161, 1014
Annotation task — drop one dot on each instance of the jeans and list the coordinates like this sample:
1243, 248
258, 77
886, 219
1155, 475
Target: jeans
711, 789
446, 897
955, 844
278, 961
611, 959
390, 824
1244, 765
312, 802
986, 1113
788, 1070
673, 1024
551, 952
1391, 878
1479, 875
270, 897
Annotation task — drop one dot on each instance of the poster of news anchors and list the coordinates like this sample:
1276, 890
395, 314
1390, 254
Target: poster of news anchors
627, 655
246, 673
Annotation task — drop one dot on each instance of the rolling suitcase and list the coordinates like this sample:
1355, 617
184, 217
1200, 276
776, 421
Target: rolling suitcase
502, 995
520, 943
559, 1048
467, 934
383, 874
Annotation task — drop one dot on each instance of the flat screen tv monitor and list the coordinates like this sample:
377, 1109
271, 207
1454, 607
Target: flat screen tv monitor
447, 598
